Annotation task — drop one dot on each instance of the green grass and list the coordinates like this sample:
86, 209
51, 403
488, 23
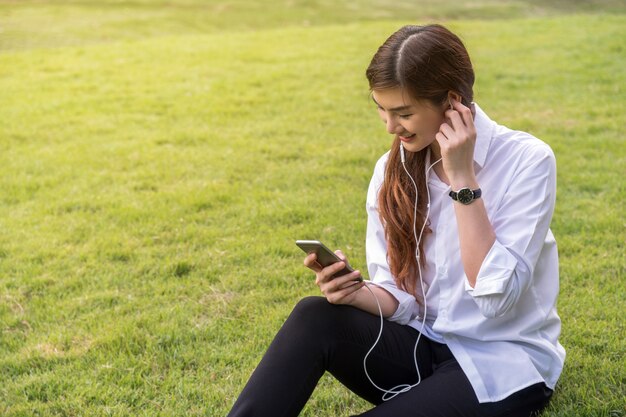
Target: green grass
155, 173
35, 23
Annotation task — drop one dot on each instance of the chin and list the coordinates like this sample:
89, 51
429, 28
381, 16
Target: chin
414, 147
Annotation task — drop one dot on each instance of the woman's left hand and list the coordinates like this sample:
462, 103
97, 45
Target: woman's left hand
456, 138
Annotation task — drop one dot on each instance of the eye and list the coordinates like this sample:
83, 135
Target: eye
405, 116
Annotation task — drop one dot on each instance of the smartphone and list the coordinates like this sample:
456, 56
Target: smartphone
325, 256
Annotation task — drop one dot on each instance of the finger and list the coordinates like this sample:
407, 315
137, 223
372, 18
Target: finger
464, 111
335, 283
311, 262
326, 274
336, 297
443, 142
340, 254
348, 279
447, 131
457, 121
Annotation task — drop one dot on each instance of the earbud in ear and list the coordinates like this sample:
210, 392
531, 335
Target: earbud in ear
456, 97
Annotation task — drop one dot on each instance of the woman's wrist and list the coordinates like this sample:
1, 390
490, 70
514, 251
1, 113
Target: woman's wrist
462, 181
366, 300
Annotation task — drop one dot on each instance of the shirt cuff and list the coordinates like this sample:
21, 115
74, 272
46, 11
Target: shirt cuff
495, 272
407, 306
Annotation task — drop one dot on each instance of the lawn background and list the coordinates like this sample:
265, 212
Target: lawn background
158, 159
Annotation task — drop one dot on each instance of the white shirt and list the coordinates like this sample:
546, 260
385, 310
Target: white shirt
504, 331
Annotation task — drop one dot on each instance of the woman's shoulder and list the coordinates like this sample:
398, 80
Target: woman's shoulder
379, 168
509, 152
524, 150
518, 144
521, 140
378, 175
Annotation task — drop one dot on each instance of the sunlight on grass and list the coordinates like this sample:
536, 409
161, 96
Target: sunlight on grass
29, 24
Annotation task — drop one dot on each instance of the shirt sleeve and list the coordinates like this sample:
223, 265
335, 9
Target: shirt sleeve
376, 253
521, 224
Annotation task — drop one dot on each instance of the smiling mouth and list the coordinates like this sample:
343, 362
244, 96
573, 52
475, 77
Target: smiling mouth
406, 138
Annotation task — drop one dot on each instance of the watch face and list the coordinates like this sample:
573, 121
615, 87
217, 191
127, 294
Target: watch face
465, 196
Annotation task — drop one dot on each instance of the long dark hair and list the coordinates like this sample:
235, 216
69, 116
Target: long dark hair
427, 62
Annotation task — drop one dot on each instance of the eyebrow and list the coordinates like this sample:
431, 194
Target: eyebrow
395, 109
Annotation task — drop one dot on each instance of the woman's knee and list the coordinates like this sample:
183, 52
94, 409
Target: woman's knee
312, 306
313, 311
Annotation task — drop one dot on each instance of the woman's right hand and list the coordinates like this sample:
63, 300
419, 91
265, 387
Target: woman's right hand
338, 290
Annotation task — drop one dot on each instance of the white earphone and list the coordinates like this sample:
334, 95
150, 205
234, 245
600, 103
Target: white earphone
399, 389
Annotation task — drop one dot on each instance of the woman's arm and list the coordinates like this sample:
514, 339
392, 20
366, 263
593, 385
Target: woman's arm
499, 253
456, 140
476, 235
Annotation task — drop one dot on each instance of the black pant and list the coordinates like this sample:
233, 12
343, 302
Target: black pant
319, 337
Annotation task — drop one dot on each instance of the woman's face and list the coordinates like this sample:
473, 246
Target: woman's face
414, 122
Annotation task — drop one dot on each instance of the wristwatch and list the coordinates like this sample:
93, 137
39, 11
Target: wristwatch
465, 195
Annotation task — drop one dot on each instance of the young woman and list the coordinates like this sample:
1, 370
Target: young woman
462, 262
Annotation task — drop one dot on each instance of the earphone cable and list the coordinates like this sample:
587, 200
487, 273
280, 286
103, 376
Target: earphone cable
399, 389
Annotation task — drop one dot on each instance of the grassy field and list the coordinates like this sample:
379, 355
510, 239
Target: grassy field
158, 159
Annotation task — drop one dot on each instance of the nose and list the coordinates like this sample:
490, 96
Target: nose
392, 125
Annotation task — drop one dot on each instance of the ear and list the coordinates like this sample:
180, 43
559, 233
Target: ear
453, 95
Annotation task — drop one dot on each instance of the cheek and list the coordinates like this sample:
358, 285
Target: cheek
433, 123
423, 125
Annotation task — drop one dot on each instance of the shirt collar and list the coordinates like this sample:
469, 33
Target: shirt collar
484, 132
